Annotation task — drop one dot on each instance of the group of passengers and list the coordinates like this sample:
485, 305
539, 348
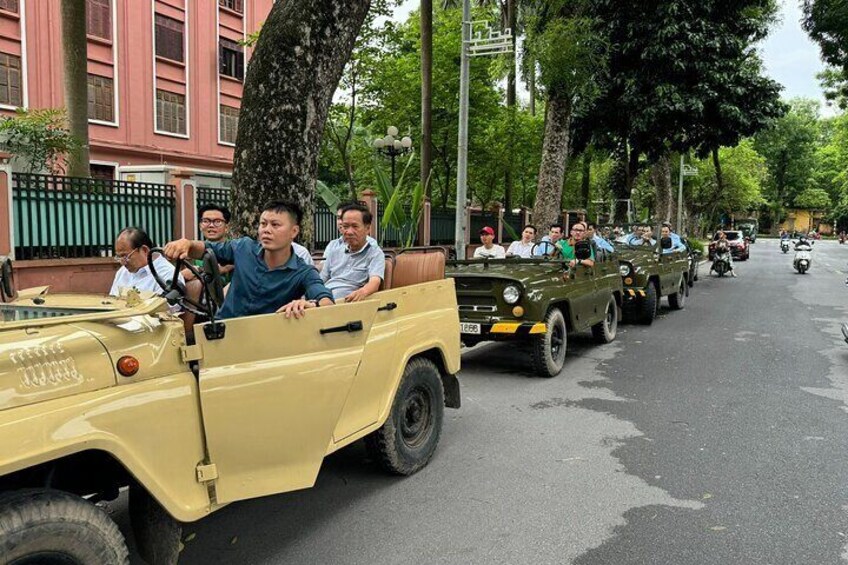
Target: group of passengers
272, 273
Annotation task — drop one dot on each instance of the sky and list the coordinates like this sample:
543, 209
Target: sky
791, 58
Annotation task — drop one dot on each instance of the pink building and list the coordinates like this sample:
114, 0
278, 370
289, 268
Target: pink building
164, 83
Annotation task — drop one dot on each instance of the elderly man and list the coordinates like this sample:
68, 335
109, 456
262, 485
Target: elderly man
489, 250
339, 241
353, 271
132, 249
268, 277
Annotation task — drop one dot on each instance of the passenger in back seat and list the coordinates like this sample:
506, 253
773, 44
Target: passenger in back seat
354, 269
339, 241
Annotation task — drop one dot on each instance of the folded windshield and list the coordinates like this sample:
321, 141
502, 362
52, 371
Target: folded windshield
14, 313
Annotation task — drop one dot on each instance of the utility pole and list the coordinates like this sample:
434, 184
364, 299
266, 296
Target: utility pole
473, 45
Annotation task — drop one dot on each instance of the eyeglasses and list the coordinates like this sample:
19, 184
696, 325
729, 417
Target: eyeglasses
216, 222
122, 259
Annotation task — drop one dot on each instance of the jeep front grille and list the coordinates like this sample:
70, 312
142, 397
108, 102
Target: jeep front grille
477, 308
462, 283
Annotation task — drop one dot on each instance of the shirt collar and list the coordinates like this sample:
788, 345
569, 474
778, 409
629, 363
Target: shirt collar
364, 248
290, 264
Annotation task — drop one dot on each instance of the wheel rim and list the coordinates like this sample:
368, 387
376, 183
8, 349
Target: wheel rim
557, 341
417, 417
47, 558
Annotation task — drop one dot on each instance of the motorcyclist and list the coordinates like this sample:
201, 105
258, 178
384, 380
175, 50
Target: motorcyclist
784, 235
802, 241
723, 244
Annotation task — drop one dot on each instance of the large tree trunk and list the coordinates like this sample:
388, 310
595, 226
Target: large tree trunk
426, 91
622, 178
531, 87
75, 58
586, 178
661, 177
555, 152
295, 69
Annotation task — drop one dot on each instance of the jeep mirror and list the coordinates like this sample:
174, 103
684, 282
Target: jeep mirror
7, 283
582, 250
666, 243
212, 277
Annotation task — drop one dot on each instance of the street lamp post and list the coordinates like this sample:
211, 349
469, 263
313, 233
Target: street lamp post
685, 171
473, 45
391, 146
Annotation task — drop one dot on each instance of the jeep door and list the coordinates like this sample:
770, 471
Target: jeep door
271, 392
581, 292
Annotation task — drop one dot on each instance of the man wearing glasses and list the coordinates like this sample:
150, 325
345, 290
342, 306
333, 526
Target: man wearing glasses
214, 223
566, 246
132, 248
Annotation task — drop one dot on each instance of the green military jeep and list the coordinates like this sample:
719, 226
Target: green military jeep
539, 300
100, 393
648, 275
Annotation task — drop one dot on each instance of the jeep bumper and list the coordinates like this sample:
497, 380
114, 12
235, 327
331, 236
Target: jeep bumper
501, 330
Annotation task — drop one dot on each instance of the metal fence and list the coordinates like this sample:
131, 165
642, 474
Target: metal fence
442, 227
324, 226
68, 217
211, 195
516, 222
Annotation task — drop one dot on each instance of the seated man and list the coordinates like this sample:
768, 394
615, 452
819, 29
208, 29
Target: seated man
354, 271
596, 238
676, 246
339, 241
132, 249
489, 250
567, 246
548, 243
524, 246
268, 275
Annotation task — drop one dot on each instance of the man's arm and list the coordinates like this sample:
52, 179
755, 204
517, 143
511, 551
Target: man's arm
184, 249
372, 286
376, 273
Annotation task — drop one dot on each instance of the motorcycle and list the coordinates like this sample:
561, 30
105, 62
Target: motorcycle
803, 258
842, 238
784, 245
721, 261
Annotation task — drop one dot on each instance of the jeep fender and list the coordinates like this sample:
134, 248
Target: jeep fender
151, 427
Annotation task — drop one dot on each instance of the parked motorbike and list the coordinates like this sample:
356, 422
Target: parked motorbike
784, 245
721, 261
803, 258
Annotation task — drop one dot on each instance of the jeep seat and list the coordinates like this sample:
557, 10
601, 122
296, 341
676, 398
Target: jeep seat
417, 265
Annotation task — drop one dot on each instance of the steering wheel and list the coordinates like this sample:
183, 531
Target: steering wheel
175, 291
544, 245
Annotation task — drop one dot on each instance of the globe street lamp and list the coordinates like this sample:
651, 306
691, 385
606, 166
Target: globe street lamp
391, 146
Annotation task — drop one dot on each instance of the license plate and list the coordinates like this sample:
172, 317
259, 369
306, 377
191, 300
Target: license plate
467, 328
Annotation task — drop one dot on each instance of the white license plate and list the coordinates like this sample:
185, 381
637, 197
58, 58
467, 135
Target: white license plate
467, 328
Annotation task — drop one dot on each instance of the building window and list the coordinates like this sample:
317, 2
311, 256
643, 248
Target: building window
169, 38
98, 18
170, 112
231, 59
234, 5
10, 80
102, 172
100, 99
229, 123
9, 5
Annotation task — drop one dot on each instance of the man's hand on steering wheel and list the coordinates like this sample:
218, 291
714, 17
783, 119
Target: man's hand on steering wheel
177, 250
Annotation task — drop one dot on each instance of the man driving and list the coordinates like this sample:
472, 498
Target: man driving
268, 275
548, 243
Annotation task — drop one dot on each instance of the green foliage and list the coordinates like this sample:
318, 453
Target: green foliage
813, 199
394, 214
39, 137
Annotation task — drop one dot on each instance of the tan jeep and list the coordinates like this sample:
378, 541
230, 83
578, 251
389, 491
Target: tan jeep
98, 394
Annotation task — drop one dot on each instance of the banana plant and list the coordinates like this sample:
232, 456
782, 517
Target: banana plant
394, 214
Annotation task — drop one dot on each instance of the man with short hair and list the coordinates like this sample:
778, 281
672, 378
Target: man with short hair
214, 222
339, 241
489, 250
593, 236
524, 246
132, 249
268, 277
675, 247
355, 270
568, 246
548, 243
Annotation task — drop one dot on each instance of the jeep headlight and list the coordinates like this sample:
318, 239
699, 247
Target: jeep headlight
625, 269
511, 294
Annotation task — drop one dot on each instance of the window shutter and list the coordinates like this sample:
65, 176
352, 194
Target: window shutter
9, 5
169, 38
99, 18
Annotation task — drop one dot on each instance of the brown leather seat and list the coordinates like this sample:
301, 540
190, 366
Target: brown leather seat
389, 274
413, 266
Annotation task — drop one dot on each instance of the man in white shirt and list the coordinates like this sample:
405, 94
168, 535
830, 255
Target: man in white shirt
132, 248
488, 250
523, 247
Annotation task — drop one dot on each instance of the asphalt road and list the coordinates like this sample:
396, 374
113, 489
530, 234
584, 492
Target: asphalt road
717, 435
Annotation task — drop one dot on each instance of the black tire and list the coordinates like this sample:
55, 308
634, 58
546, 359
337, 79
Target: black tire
647, 309
677, 301
549, 349
41, 526
604, 332
157, 534
408, 439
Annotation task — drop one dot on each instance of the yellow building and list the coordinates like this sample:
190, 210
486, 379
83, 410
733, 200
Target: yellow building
805, 221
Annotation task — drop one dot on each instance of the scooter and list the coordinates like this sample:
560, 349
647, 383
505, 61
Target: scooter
803, 258
721, 262
784, 245
842, 238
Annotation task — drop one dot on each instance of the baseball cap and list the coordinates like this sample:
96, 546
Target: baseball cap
487, 231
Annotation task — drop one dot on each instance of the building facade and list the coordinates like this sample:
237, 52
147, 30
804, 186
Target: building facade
165, 79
